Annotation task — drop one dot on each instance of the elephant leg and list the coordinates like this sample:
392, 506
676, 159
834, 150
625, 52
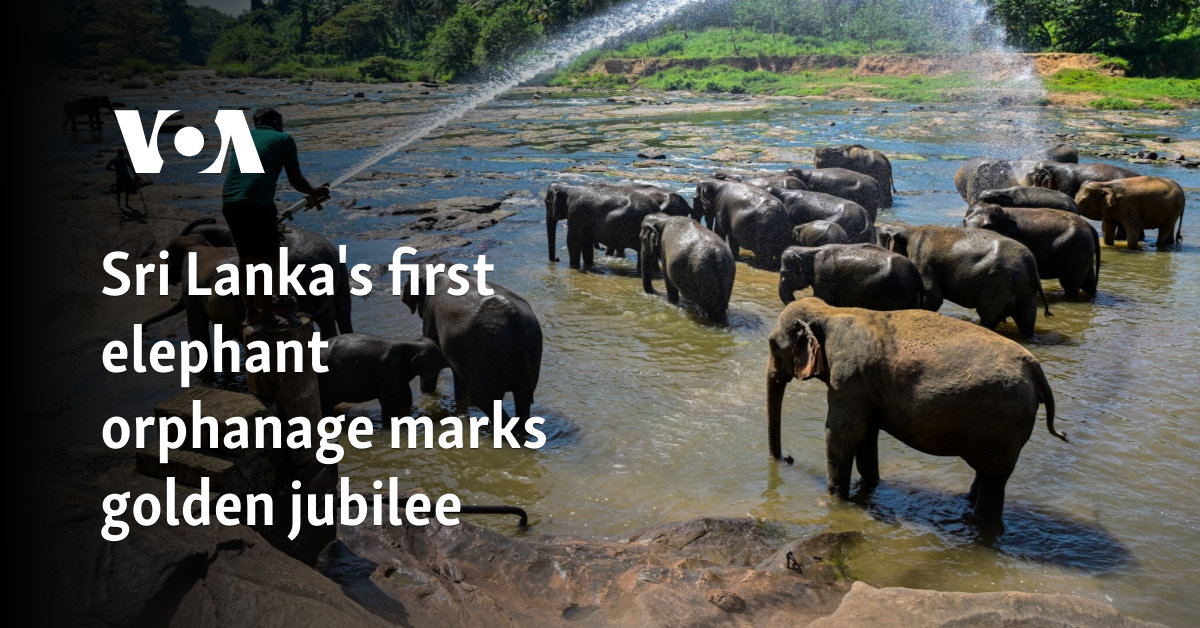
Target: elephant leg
973, 494
429, 384
523, 404
846, 425
589, 256
867, 459
460, 388
1133, 234
672, 291
396, 402
1109, 228
839, 462
1166, 236
1025, 315
932, 300
733, 246
988, 507
576, 244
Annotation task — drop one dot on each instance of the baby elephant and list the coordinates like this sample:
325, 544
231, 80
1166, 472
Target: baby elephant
1137, 204
851, 275
696, 263
819, 233
364, 367
1029, 196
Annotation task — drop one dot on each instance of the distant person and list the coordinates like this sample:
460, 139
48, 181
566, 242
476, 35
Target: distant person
126, 182
249, 209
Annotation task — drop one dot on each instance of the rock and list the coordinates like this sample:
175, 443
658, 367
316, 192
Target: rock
670, 575
610, 99
728, 602
1141, 161
831, 123
898, 607
1191, 164
234, 91
1163, 139
430, 85
159, 575
647, 164
473, 204
652, 153
537, 96
1147, 154
359, 95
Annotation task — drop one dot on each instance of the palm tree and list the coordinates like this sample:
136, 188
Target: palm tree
547, 12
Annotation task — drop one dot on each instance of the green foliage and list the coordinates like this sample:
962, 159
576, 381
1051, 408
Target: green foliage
1113, 103
384, 69
593, 80
1147, 91
451, 48
506, 31
1159, 37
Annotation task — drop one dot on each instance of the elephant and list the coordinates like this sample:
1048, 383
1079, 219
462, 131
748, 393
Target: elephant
595, 214
202, 310
331, 314
940, 385
696, 263
762, 179
859, 158
803, 207
669, 202
1029, 196
975, 268
1064, 245
1062, 153
493, 343
980, 174
1067, 178
848, 184
851, 275
89, 106
362, 367
304, 247
819, 233
747, 216
1137, 203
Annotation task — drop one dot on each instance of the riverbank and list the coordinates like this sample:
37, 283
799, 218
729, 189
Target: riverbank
1061, 79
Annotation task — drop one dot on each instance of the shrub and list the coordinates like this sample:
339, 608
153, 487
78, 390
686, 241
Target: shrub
452, 45
133, 84
381, 67
507, 31
1112, 103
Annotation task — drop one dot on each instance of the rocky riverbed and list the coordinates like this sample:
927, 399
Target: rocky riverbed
474, 187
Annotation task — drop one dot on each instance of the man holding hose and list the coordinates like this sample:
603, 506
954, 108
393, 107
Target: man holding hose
249, 209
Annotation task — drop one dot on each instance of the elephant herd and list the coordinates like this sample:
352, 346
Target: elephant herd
870, 331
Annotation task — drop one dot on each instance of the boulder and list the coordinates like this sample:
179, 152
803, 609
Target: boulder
898, 607
651, 153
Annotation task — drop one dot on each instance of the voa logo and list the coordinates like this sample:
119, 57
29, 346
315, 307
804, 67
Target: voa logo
189, 141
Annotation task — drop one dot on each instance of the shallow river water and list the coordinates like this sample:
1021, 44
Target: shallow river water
654, 417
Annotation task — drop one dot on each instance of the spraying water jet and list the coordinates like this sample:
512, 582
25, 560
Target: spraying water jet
560, 49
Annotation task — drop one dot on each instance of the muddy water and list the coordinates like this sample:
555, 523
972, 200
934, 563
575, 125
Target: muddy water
655, 417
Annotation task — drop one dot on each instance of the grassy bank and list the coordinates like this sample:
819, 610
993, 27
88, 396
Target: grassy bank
1071, 85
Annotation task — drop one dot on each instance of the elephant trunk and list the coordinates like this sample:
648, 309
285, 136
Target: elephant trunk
551, 226
647, 262
786, 289
775, 388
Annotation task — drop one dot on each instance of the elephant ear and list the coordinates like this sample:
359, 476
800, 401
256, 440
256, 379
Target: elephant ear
410, 298
810, 356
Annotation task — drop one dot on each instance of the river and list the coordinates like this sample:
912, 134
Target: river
655, 417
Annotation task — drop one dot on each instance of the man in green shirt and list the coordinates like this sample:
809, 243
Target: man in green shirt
249, 208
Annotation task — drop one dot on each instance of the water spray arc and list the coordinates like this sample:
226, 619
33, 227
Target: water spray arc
560, 49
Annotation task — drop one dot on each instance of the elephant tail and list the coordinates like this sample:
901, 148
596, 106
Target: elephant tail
207, 220
1037, 282
175, 308
1046, 397
1179, 231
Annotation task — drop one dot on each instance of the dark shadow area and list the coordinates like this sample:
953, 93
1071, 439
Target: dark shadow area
1033, 533
353, 573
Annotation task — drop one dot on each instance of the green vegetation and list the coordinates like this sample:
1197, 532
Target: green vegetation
128, 41
1149, 93
723, 78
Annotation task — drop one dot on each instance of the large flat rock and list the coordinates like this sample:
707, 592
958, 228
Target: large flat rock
898, 607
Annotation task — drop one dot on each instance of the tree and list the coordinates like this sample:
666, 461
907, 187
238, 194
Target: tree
131, 29
451, 49
506, 31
